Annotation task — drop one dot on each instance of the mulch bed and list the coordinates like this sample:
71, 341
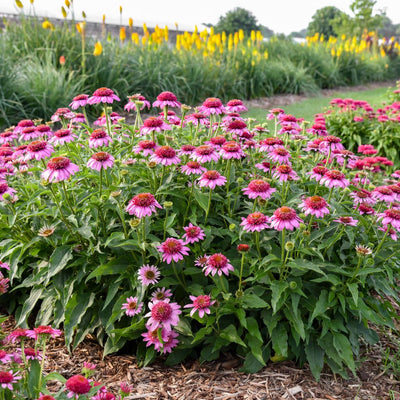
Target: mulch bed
221, 380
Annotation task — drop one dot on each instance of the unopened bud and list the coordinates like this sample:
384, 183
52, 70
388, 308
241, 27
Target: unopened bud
239, 293
232, 227
289, 246
124, 172
243, 248
168, 204
261, 202
134, 222
293, 285
116, 193
152, 164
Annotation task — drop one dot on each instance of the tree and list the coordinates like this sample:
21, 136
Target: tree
322, 21
236, 19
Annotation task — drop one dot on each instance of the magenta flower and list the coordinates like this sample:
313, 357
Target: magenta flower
204, 153
270, 144
165, 155
186, 150
383, 193
201, 261
170, 341
7, 378
318, 172
173, 250
212, 105
5, 358
349, 221
59, 169
285, 172
25, 123
100, 160
201, 304
16, 334
32, 354
163, 314
79, 101
279, 155
391, 217
364, 208
43, 330
256, 221
166, 99
8, 137
197, 119
3, 284
5, 265
103, 95
145, 147
63, 136
143, 204
259, 188
211, 179
265, 166
193, 234
315, 205
392, 233
132, 307
237, 128
154, 124
230, 150
332, 143
44, 131
99, 138
334, 178
38, 149
77, 385
148, 275
236, 105
131, 105
151, 337
217, 264
62, 114
193, 168
362, 196
285, 218
161, 294
4, 188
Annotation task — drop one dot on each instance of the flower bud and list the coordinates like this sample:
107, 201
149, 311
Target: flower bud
243, 248
261, 202
306, 233
289, 246
116, 193
168, 204
134, 222
293, 284
184, 107
232, 227
152, 164
239, 293
302, 227
239, 180
370, 262
124, 172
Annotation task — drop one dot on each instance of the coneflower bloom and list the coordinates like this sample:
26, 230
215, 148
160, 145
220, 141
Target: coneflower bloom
256, 221
100, 160
7, 137
166, 99
148, 275
145, 147
46, 231
140, 100
193, 234
154, 124
396, 174
132, 307
217, 141
217, 264
8, 378
63, 136
211, 179
59, 169
201, 261
99, 138
391, 217
204, 153
44, 131
230, 150
349, 221
274, 113
201, 304
315, 205
318, 129
32, 354
383, 193
163, 314
172, 118
28, 133
318, 172
197, 118
237, 127
392, 233
334, 178
170, 342
77, 385
161, 294
288, 119
16, 334
62, 113
151, 337
25, 123
142, 205
193, 168
5, 358
259, 188
332, 143
285, 218
236, 105
280, 155
38, 149
4, 188
114, 117
288, 129
79, 101
212, 105
364, 208
4, 265
186, 150
285, 172
165, 155
103, 95
43, 330
3, 284
362, 196
173, 250
265, 166
270, 143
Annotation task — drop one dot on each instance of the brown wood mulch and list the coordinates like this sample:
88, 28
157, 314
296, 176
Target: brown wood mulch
221, 380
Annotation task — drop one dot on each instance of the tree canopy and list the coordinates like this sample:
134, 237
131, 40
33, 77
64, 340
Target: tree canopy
322, 21
236, 19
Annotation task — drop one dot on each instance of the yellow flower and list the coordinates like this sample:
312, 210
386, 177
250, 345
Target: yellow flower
130, 22
63, 12
47, 25
67, 3
19, 4
98, 49
122, 34
80, 27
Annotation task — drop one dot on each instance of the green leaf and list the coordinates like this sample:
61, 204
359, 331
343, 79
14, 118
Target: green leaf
201, 333
315, 357
251, 364
279, 339
255, 347
33, 379
252, 327
202, 199
230, 334
251, 300
183, 327
241, 314
343, 347
29, 304
277, 288
58, 260
320, 307
111, 268
54, 376
353, 287
303, 265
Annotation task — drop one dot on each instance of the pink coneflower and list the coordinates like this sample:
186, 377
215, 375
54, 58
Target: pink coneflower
288, 119
100, 160
186, 150
170, 341
43, 330
5, 358
99, 138
211, 179
4, 265
364, 208
172, 118
163, 314
279, 155
8, 169
166, 99
204, 153
318, 172
193, 168
154, 124
77, 385
288, 129
151, 337
201, 304
4, 188
315, 205
173, 250
217, 141
44, 131
230, 150
332, 143
16, 334
165, 155
141, 100
161, 294
285, 172
318, 129
148, 275
103, 95
142, 205
383, 193
334, 178
212, 105
265, 166
391, 217
285, 218
274, 113
396, 174
63, 136
217, 264
270, 143
197, 119
132, 307
59, 169
349, 221
32, 354
4, 284
79, 101
201, 261
8, 137
61, 114
28, 133
392, 233
236, 105
38, 149
193, 234
25, 123
259, 188
114, 117
256, 221
145, 147
7, 378
237, 127
362, 196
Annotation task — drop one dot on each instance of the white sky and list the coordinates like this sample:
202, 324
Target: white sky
282, 16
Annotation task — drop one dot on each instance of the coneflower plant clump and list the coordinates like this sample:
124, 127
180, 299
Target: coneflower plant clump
198, 232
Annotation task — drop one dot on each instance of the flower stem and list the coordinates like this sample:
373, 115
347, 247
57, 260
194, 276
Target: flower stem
241, 271
208, 207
